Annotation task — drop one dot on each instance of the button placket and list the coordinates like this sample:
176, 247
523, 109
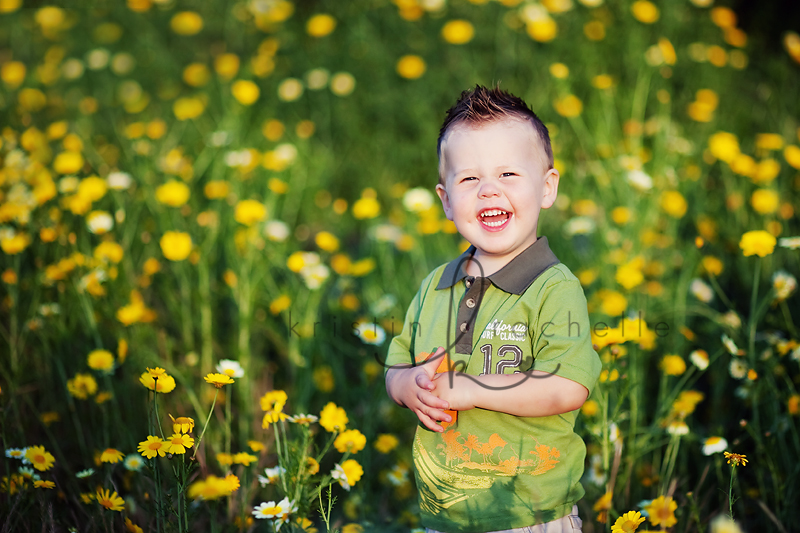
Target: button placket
467, 313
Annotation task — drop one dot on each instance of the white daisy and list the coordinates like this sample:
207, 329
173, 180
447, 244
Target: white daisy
714, 445
231, 368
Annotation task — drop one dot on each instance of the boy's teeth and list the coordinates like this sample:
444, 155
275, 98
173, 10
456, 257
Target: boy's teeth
494, 217
493, 212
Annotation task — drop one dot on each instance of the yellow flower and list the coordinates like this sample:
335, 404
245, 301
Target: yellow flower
186, 23
109, 251
627, 523
92, 188
182, 424
178, 443
111, 455
568, 106
218, 380
612, 303
224, 459
769, 141
629, 274
712, 265
661, 511
673, 365
766, 171
793, 404
173, 193
765, 201
792, 155
542, 30
724, 146
590, 408
758, 242
196, 74
152, 446
320, 25
385, 443
366, 207
131, 527
411, 66
723, 17
187, 108
13, 73
39, 458
100, 360
213, 487
82, 386
327, 241
559, 70
351, 440
602, 505
645, 12
281, 303
214, 190
353, 471
110, 500
248, 212
68, 162
255, 445
40, 484
458, 31
673, 203
176, 245
15, 244
602, 81
736, 459
333, 418
226, 65
667, 51
244, 458
158, 380
245, 91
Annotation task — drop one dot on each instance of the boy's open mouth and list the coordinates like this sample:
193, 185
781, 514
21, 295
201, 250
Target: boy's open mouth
494, 218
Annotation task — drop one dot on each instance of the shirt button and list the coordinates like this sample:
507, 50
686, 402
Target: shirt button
470, 303
463, 327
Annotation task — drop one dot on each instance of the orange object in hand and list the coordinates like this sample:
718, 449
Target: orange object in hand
444, 366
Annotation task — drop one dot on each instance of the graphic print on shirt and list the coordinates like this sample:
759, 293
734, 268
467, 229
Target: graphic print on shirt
463, 463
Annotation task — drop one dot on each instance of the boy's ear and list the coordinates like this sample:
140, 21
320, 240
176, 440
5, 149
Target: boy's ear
550, 189
443, 196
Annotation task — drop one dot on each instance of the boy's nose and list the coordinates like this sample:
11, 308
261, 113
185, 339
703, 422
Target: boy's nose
488, 189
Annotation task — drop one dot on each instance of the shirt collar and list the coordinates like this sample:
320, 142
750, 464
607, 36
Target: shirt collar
515, 277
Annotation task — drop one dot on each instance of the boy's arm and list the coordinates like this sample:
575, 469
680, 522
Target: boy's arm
533, 393
411, 386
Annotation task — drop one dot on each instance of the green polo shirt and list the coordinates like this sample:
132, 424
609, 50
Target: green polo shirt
489, 470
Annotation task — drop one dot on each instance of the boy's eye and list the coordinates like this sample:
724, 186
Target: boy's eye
469, 178
506, 174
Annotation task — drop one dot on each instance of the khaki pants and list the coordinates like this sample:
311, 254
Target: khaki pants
567, 524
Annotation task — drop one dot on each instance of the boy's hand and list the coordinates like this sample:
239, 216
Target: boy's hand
411, 387
458, 393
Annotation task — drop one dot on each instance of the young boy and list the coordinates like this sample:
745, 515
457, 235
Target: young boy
507, 325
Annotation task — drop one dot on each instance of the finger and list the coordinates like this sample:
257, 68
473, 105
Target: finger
423, 381
429, 423
430, 400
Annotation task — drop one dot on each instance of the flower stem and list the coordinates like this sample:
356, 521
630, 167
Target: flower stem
730, 492
205, 427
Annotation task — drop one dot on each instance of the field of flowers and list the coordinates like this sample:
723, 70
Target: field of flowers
213, 215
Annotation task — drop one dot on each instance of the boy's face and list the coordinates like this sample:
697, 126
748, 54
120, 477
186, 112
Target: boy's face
496, 180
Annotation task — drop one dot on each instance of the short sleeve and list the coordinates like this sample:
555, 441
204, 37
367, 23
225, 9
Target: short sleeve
401, 349
562, 342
